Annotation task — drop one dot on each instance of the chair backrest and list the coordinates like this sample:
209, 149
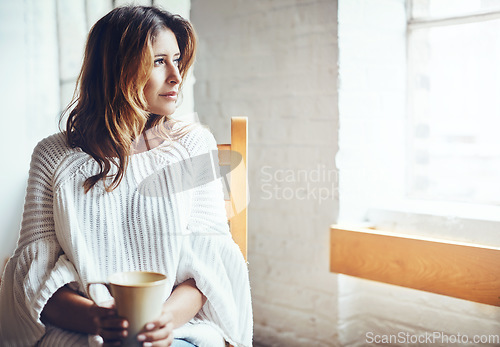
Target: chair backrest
233, 167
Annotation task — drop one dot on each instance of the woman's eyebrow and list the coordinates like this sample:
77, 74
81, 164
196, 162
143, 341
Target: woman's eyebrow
166, 55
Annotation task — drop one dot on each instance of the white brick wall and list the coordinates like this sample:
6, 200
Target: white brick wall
276, 63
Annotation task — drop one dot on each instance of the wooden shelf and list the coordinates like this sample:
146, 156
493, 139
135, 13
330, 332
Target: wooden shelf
465, 271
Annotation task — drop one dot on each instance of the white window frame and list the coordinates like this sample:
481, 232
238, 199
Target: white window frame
454, 221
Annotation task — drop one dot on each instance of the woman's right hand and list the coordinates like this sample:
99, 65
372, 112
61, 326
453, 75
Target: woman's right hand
111, 327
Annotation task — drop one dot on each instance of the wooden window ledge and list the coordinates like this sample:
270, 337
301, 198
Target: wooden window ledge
465, 271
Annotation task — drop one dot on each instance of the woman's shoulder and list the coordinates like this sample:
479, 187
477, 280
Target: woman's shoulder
197, 139
52, 147
52, 151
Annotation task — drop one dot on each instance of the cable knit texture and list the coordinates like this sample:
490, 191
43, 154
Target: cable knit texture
167, 215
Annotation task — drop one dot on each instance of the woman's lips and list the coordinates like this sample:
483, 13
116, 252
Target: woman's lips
170, 95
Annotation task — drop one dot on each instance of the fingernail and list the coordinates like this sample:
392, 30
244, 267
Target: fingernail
125, 324
141, 337
150, 326
147, 344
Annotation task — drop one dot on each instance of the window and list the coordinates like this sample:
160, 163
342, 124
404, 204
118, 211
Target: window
419, 82
391, 63
454, 107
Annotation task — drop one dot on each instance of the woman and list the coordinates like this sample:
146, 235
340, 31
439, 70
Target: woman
120, 190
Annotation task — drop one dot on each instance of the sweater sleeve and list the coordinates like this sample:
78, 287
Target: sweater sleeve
211, 257
38, 267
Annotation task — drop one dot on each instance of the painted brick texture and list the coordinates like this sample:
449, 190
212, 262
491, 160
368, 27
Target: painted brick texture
276, 63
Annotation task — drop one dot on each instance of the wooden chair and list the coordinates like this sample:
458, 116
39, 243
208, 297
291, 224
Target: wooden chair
233, 167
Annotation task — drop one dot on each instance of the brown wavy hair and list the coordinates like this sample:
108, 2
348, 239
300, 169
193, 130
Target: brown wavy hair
109, 108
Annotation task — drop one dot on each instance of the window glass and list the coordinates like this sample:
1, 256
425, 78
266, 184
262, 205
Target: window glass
454, 111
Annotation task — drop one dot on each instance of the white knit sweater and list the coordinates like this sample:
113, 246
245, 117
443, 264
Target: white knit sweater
151, 222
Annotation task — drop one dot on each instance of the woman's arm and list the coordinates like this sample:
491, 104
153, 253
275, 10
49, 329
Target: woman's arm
38, 266
184, 303
69, 310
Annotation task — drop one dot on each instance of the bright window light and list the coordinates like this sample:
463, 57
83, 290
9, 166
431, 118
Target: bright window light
454, 105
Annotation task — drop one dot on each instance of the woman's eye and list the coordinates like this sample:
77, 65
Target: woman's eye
177, 61
159, 62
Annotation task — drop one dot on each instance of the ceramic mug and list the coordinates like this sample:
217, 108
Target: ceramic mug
139, 298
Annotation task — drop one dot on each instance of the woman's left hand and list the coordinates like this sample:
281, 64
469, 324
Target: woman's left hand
159, 332
182, 305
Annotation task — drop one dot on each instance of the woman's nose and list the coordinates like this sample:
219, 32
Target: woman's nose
174, 76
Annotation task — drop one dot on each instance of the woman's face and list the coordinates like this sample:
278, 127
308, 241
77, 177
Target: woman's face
163, 85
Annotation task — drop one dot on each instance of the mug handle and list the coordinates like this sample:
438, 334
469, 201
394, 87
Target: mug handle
106, 284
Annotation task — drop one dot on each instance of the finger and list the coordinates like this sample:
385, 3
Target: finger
155, 333
163, 320
113, 323
170, 340
112, 328
163, 343
111, 336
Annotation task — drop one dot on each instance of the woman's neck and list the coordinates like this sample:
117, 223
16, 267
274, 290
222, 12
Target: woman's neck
153, 136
